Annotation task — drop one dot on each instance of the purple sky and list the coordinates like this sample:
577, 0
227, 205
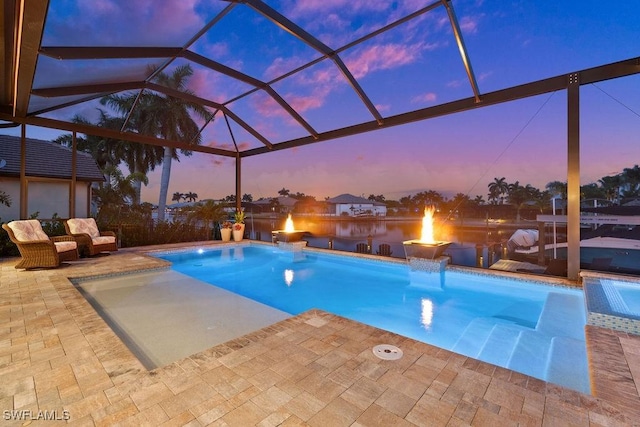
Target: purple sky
416, 65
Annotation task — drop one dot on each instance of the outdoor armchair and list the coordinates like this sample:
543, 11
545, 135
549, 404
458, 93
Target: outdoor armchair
36, 248
89, 238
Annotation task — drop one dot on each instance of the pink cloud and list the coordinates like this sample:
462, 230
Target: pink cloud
281, 66
382, 57
347, 7
424, 98
469, 24
140, 22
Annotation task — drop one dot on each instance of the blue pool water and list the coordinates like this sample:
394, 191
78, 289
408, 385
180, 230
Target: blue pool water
528, 327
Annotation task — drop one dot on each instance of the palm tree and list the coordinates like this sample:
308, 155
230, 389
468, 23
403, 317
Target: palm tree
139, 158
208, 212
519, 195
631, 180
497, 188
177, 196
5, 199
191, 196
170, 118
115, 193
611, 186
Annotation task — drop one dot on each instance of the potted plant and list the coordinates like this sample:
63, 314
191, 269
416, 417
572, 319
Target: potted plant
238, 227
225, 231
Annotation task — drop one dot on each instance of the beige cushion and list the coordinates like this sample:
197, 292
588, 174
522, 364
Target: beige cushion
65, 246
28, 230
83, 225
103, 240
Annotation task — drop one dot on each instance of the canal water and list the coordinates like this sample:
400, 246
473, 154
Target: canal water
468, 243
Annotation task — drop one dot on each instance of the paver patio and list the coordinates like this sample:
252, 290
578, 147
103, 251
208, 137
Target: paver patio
59, 357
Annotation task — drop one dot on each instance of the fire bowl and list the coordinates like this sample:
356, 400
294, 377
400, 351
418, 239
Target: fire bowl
287, 236
419, 249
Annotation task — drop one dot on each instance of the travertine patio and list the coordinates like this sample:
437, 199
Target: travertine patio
57, 355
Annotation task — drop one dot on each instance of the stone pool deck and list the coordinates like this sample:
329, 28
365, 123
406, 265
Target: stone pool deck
57, 356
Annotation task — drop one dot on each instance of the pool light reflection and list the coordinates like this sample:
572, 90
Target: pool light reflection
426, 314
288, 277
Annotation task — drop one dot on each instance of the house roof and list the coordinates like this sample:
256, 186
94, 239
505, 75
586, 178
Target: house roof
46, 160
345, 199
282, 200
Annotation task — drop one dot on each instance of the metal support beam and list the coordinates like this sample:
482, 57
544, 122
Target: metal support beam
238, 182
29, 28
23, 172
573, 176
462, 48
74, 167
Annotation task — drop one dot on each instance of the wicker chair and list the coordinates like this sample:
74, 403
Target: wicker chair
90, 240
36, 248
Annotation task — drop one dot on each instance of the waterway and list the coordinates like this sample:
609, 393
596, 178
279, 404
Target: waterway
469, 241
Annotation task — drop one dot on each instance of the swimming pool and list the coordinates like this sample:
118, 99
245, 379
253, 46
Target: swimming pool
613, 304
524, 326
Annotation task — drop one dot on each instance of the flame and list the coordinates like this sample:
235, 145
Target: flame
288, 225
427, 225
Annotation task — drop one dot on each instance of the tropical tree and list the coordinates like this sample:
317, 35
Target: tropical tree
591, 191
139, 158
5, 199
519, 195
191, 196
177, 196
284, 192
498, 188
631, 181
247, 198
116, 193
557, 188
171, 118
208, 213
611, 186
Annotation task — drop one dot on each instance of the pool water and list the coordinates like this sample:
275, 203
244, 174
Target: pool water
528, 327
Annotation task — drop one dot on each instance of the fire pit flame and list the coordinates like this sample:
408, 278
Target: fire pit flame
426, 247
289, 233
288, 225
427, 225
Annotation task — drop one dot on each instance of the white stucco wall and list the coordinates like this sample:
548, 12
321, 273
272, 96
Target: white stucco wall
46, 198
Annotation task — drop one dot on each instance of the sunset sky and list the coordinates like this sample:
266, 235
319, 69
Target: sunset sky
414, 66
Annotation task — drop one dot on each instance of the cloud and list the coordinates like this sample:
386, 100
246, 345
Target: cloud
281, 66
469, 24
382, 57
424, 98
140, 22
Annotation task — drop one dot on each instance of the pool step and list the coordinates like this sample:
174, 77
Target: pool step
474, 337
500, 344
531, 354
568, 364
558, 316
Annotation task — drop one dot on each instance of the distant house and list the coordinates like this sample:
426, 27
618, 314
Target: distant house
348, 204
282, 204
47, 181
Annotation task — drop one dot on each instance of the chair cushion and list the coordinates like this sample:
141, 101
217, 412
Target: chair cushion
103, 240
28, 230
65, 246
83, 225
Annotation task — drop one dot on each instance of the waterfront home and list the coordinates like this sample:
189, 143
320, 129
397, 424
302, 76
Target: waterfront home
348, 204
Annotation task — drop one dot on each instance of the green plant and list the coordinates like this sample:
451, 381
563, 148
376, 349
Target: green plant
239, 217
